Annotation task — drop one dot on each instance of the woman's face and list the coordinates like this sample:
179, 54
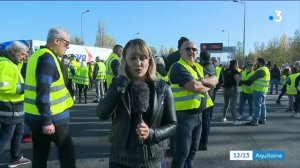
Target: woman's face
137, 64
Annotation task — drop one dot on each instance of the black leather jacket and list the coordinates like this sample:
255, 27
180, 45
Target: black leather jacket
162, 123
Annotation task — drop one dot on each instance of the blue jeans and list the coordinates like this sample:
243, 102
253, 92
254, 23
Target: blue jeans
205, 125
99, 89
187, 140
272, 83
259, 106
243, 98
12, 133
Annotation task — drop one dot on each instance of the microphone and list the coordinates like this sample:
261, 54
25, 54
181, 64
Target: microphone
140, 97
140, 94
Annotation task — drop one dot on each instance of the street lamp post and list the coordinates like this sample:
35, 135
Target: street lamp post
244, 3
81, 23
227, 42
227, 36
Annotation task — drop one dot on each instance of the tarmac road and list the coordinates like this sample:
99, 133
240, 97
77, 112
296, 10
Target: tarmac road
281, 132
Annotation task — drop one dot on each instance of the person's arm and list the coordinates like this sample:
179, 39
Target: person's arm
196, 87
237, 77
46, 74
115, 67
7, 85
220, 80
210, 81
168, 122
96, 69
179, 75
108, 104
258, 74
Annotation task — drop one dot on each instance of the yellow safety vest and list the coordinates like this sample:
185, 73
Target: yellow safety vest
82, 76
246, 88
91, 70
298, 87
109, 73
70, 75
262, 84
165, 78
59, 95
291, 89
184, 99
11, 81
20, 65
101, 75
283, 80
218, 71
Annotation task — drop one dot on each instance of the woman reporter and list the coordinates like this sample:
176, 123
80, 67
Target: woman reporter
142, 110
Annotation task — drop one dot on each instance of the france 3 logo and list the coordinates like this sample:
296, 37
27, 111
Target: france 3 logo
278, 16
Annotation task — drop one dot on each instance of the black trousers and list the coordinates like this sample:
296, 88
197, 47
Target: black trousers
63, 142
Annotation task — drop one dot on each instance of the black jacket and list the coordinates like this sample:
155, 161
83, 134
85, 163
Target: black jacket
162, 123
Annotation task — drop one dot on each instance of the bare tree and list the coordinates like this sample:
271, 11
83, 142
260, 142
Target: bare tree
163, 51
77, 40
153, 50
171, 50
103, 40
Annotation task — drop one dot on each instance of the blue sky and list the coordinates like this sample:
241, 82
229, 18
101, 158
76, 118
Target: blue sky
158, 23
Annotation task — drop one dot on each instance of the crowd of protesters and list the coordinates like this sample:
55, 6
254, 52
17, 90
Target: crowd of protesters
149, 100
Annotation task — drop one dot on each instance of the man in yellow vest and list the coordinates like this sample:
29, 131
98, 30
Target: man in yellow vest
91, 71
11, 102
112, 64
82, 80
260, 80
297, 85
290, 87
99, 77
47, 101
246, 93
189, 91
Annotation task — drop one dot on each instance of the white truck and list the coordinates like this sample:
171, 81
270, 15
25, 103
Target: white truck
80, 52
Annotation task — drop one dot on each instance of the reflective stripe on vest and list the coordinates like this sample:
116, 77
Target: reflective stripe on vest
246, 88
262, 84
291, 89
185, 100
60, 98
82, 76
109, 72
15, 114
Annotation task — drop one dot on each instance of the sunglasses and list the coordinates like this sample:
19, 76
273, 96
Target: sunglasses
67, 43
189, 49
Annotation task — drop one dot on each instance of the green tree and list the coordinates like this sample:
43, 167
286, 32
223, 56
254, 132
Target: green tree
295, 46
77, 41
